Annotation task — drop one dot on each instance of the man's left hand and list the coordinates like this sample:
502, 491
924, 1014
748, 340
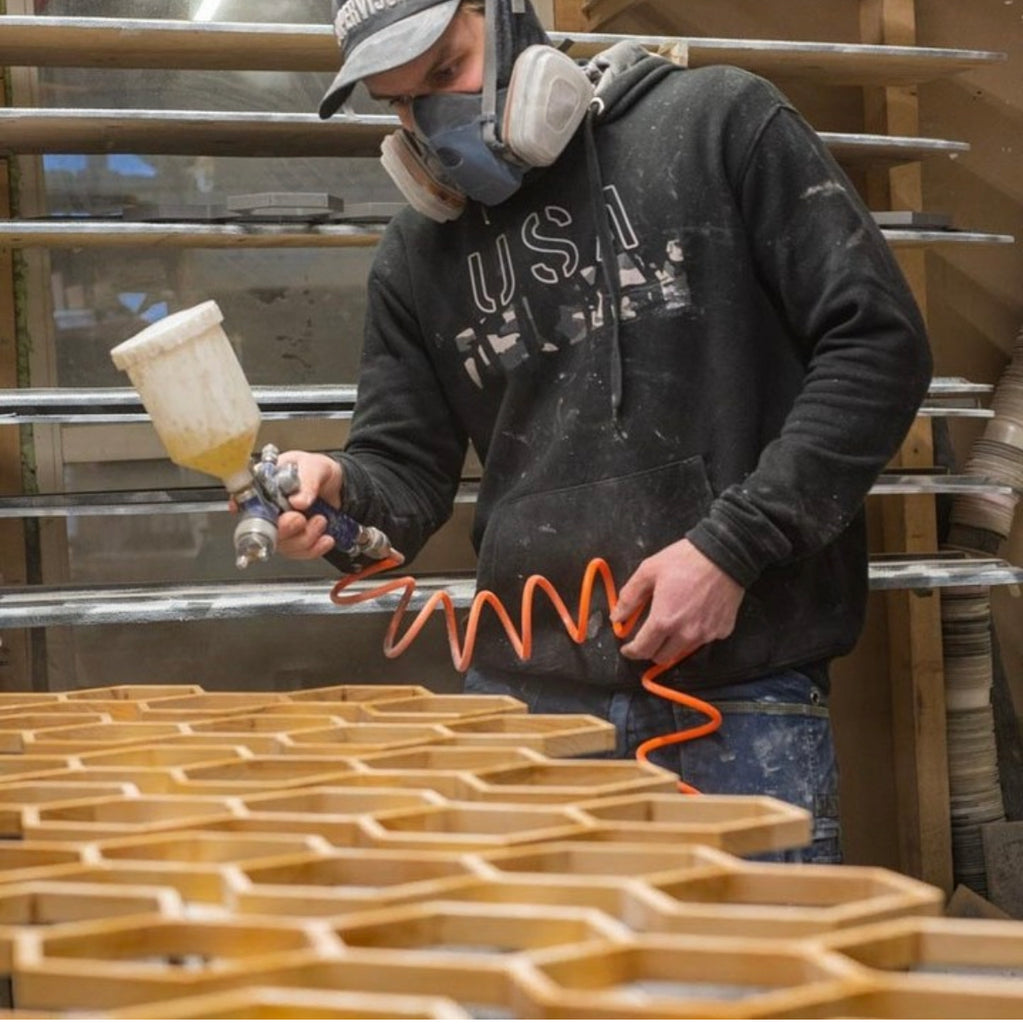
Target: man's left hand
691, 602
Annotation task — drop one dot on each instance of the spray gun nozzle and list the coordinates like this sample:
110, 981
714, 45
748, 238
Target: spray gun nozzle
255, 536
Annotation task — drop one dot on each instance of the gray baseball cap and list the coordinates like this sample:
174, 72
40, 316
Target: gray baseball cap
378, 35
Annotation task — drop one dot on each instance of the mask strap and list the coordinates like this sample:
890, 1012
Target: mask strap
490, 71
490, 76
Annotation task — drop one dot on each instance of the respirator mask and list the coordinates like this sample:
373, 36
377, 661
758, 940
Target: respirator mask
480, 145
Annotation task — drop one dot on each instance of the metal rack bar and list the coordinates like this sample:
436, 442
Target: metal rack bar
939, 483
123, 405
957, 411
954, 387
923, 572
98, 232
115, 605
332, 401
161, 501
29, 607
917, 238
27, 130
178, 44
854, 64
848, 147
56, 233
180, 500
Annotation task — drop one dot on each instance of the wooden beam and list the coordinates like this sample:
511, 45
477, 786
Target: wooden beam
569, 16
599, 12
915, 661
15, 651
46, 545
916, 672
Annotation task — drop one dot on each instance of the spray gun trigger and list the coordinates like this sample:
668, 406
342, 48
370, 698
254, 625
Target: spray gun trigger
287, 480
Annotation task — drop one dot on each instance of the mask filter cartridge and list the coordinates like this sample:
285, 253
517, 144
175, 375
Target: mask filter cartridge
450, 159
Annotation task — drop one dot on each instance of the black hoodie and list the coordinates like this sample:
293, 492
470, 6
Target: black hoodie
766, 363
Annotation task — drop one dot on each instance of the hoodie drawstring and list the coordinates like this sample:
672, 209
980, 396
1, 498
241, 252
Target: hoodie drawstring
608, 261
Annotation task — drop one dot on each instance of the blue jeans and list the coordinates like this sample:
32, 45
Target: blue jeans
775, 740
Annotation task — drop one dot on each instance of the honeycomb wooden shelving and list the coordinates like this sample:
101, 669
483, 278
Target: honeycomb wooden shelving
341, 886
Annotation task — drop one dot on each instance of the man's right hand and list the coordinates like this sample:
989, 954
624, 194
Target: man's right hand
319, 476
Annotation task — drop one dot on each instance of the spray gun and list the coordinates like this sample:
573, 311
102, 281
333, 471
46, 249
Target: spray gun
196, 394
255, 536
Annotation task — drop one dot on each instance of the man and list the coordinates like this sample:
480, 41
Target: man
681, 345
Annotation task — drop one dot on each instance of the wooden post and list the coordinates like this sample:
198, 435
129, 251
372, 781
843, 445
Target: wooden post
569, 17
596, 13
916, 668
50, 651
15, 656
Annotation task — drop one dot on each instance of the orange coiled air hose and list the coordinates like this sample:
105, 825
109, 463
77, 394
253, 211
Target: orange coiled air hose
522, 639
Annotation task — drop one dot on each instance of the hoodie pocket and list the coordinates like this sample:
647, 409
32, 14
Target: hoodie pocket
556, 533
